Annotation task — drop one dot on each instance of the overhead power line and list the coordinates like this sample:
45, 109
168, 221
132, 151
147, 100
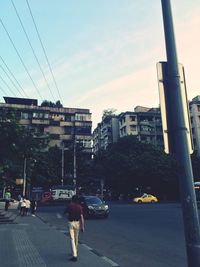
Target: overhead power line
13, 76
43, 49
33, 51
3, 91
12, 92
11, 80
20, 58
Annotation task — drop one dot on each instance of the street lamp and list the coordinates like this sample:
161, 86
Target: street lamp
24, 178
63, 163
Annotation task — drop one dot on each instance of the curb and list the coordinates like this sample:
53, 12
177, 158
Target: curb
112, 263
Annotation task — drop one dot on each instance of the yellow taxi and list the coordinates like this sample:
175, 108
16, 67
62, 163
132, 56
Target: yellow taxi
145, 198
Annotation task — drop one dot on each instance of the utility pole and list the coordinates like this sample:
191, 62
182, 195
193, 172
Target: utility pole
62, 175
178, 132
24, 180
74, 155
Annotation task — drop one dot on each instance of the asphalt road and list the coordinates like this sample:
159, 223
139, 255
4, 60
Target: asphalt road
133, 235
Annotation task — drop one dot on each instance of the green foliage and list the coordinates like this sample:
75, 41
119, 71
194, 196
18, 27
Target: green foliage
17, 143
129, 164
47, 103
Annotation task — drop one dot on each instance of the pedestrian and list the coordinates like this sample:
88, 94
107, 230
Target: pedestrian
76, 222
33, 207
7, 197
22, 206
28, 205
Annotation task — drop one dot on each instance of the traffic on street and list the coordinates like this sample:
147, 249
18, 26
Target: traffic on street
133, 235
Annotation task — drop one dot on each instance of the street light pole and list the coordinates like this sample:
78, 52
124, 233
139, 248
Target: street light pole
74, 155
181, 149
62, 175
24, 180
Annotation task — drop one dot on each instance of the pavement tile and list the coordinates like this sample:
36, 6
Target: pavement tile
31, 242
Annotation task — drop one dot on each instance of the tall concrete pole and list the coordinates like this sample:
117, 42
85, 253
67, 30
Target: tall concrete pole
24, 180
74, 155
179, 135
62, 174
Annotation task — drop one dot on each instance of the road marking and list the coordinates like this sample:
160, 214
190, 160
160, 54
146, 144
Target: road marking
110, 261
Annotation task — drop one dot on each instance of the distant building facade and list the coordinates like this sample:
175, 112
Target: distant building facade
194, 108
61, 125
106, 132
144, 123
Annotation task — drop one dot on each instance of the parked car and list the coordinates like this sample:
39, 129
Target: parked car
145, 198
93, 207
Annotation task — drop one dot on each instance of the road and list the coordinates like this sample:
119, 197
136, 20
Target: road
133, 235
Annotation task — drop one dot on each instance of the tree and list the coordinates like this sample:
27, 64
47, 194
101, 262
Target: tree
109, 112
17, 143
47, 103
129, 164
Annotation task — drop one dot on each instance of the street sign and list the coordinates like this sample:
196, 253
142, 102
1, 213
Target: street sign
19, 181
37, 189
165, 101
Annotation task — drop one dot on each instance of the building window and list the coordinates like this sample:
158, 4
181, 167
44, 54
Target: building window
55, 123
133, 128
55, 136
132, 118
40, 115
46, 115
25, 116
68, 118
198, 108
82, 117
83, 130
68, 129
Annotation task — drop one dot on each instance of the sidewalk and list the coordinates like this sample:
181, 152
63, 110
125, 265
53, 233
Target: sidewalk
30, 242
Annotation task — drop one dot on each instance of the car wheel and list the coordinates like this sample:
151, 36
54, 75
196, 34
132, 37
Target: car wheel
139, 201
152, 201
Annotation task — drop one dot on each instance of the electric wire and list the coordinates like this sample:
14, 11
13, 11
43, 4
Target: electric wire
14, 94
33, 51
20, 58
43, 49
13, 76
3, 91
11, 80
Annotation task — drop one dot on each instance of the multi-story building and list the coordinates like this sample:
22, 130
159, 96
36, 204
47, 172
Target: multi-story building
62, 125
106, 132
194, 108
145, 123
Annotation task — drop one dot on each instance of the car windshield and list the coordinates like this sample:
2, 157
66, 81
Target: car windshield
93, 200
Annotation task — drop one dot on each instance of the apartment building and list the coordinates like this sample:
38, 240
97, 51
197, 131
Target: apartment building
61, 125
144, 123
106, 132
194, 109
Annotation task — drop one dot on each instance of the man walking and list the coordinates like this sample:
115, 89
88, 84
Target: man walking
76, 222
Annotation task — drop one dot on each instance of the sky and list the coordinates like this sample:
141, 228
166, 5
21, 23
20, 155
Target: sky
102, 53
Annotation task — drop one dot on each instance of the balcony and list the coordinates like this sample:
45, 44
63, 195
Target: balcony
66, 123
38, 121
